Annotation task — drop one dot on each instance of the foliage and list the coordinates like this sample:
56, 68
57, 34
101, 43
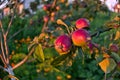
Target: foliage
38, 32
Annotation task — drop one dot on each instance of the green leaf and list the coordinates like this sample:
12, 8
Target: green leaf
39, 53
59, 59
115, 56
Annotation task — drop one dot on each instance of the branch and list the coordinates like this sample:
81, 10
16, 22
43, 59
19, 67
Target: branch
6, 48
16, 33
44, 26
101, 31
1, 26
54, 3
9, 25
24, 60
3, 68
3, 60
3, 56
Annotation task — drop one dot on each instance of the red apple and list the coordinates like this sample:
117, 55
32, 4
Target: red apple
45, 18
63, 44
57, 8
47, 7
114, 48
80, 37
82, 23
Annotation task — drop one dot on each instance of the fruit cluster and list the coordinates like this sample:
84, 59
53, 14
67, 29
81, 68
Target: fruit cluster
79, 37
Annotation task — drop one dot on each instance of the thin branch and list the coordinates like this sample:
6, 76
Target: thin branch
16, 33
101, 31
3, 53
9, 25
54, 3
3, 68
44, 26
24, 60
3, 60
6, 48
1, 26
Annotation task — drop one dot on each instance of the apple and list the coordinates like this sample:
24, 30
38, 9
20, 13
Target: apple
57, 8
82, 23
114, 48
63, 44
45, 18
46, 7
81, 37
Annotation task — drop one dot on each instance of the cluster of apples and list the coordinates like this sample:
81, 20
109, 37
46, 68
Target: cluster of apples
51, 10
80, 37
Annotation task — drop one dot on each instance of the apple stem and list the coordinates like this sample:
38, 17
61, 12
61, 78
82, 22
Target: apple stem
83, 56
59, 21
105, 76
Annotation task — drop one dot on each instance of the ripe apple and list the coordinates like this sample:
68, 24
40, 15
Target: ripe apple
82, 23
80, 37
114, 48
45, 18
63, 44
57, 8
46, 7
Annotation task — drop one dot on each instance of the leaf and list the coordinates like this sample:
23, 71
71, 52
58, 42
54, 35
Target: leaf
117, 36
39, 53
107, 65
115, 56
59, 59
10, 76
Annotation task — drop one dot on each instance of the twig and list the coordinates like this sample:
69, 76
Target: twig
3, 68
54, 3
1, 26
44, 26
24, 60
3, 60
3, 56
101, 31
9, 25
16, 33
6, 48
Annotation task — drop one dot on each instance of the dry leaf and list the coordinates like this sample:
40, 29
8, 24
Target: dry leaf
107, 65
117, 36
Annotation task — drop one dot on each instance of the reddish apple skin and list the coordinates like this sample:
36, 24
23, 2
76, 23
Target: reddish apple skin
45, 18
82, 23
114, 48
80, 37
46, 7
63, 44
